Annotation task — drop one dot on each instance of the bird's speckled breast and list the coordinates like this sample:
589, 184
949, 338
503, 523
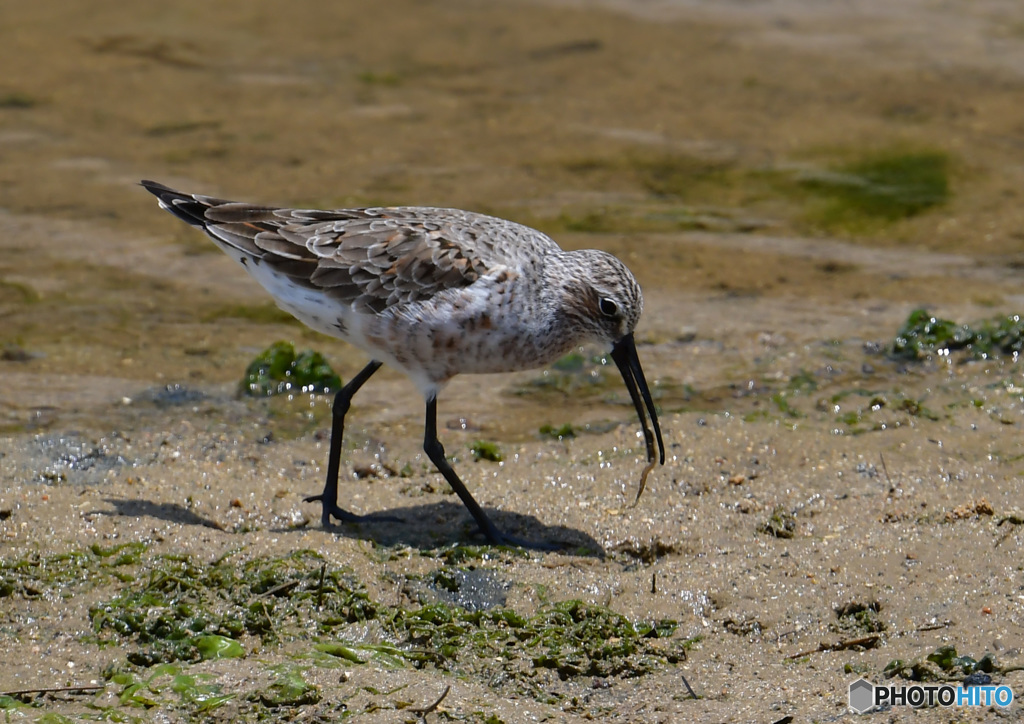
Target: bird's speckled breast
495, 325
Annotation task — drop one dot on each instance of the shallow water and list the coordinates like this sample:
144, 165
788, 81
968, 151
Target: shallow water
672, 142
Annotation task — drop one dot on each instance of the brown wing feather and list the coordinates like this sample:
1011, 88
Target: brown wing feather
373, 258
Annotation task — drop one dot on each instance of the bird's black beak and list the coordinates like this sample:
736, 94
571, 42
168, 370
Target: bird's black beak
624, 354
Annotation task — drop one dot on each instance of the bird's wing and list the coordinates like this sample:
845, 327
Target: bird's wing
373, 258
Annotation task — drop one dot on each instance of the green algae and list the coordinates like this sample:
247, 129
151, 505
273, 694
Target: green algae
379, 78
572, 638
665, 176
924, 336
290, 689
213, 646
860, 194
54, 718
780, 524
946, 664
859, 619
178, 611
879, 189
168, 685
18, 100
279, 370
558, 433
486, 450
575, 375
59, 574
169, 613
666, 217
17, 292
881, 410
782, 402
173, 611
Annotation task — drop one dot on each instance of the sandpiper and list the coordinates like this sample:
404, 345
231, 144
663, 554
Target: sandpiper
434, 293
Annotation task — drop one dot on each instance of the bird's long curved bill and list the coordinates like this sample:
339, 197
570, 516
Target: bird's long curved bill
625, 357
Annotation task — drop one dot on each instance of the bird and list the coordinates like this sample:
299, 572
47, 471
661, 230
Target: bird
433, 293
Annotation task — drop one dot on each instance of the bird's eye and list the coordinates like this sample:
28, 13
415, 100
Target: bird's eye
608, 307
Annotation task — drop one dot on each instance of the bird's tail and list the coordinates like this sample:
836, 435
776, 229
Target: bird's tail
190, 209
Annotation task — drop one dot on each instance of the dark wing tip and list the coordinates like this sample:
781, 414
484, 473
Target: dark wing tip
185, 206
164, 193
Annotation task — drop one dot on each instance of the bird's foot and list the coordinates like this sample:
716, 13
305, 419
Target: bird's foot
343, 516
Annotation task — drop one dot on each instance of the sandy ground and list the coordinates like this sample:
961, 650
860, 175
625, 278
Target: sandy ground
765, 338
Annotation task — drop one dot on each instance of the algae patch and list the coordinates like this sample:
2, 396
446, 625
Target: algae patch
946, 664
279, 370
558, 433
925, 335
861, 193
880, 189
178, 611
168, 685
185, 610
573, 376
486, 450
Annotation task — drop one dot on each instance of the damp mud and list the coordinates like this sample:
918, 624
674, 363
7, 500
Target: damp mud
789, 181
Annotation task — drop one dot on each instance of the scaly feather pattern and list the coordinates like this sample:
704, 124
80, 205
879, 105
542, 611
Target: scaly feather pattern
372, 258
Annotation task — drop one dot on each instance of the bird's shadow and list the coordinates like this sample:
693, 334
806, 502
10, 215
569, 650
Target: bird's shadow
171, 512
426, 527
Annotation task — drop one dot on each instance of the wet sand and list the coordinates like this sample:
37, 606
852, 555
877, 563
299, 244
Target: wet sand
764, 334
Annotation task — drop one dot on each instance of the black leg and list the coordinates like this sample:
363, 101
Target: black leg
329, 498
435, 451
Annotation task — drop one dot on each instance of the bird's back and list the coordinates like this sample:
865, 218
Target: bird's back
372, 258
425, 289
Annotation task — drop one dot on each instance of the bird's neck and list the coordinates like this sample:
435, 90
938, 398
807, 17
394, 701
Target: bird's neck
565, 319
